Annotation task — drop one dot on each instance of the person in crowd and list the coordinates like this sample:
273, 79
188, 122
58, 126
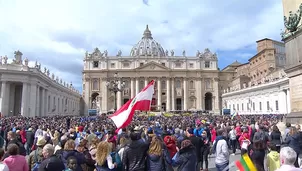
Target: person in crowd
275, 137
171, 145
3, 167
135, 153
185, 159
286, 131
30, 137
292, 140
288, 157
157, 156
233, 140
69, 150
51, 161
12, 139
238, 134
179, 137
221, 151
205, 151
103, 159
197, 142
273, 158
261, 136
36, 156
257, 154
121, 147
14, 161
71, 164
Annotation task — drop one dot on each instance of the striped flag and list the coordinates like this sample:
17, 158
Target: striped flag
234, 114
245, 163
142, 101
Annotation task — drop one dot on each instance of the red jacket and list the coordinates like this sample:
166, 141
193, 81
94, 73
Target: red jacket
171, 145
244, 136
213, 133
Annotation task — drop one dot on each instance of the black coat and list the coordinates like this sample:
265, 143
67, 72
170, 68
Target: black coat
30, 138
198, 143
186, 159
134, 156
275, 138
52, 163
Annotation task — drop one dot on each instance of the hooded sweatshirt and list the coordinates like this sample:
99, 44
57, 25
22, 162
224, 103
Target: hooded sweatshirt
273, 160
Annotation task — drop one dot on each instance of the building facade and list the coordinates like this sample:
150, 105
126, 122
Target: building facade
292, 36
31, 91
261, 85
181, 82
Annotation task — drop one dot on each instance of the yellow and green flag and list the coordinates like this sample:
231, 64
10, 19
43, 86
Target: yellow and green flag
245, 163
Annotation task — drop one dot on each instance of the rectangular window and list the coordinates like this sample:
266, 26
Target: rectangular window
242, 107
141, 64
191, 65
126, 65
177, 65
247, 106
277, 105
112, 65
260, 106
234, 107
164, 64
237, 106
267, 106
207, 64
229, 106
253, 106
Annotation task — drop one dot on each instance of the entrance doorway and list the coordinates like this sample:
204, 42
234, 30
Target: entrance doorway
208, 101
178, 104
153, 104
163, 106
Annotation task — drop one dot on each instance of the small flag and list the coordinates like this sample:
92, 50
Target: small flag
245, 163
234, 114
142, 101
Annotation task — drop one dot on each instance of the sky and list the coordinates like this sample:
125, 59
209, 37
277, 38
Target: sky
57, 33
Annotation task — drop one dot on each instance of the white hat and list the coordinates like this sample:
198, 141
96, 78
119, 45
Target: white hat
41, 141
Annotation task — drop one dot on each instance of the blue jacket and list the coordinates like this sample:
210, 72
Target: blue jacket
198, 131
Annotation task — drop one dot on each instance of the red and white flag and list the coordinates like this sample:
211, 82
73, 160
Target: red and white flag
142, 101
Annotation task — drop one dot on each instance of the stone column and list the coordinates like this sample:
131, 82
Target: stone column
146, 82
87, 95
168, 94
198, 92
5, 98
104, 105
137, 86
132, 91
173, 94
38, 113
185, 94
46, 103
159, 94
43, 103
216, 96
33, 99
24, 106
119, 97
288, 101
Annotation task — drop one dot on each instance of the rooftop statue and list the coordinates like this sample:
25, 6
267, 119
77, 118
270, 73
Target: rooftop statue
119, 53
105, 53
291, 22
184, 53
197, 53
18, 57
26, 62
167, 53
172, 52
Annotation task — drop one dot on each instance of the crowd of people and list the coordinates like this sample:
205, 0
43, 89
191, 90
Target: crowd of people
149, 143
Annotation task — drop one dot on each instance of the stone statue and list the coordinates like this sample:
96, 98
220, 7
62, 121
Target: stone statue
45, 70
61, 81
57, 79
172, 52
47, 73
105, 53
67, 85
39, 66
0, 60
167, 53
184, 53
119, 53
96, 52
197, 53
5, 58
36, 64
18, 57
86, 54
53, 76
26, 62
291, 23
64, 83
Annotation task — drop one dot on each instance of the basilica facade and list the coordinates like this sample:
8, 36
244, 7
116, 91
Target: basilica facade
181, 82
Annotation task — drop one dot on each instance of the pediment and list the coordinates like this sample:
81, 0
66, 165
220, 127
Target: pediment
153, 66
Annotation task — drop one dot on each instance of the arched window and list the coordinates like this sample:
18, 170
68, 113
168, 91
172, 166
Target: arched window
178, 84
191, 84
95, 84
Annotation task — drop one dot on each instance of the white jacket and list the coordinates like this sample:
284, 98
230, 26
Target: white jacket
222, 152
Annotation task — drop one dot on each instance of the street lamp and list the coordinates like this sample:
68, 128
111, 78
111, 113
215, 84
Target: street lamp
115, 86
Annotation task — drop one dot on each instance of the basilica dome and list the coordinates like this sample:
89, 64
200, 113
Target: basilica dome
147, 46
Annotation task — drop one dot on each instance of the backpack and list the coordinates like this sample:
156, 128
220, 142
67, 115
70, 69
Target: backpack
37, 164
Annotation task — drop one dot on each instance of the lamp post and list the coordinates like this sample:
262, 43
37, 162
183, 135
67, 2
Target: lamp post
115, 86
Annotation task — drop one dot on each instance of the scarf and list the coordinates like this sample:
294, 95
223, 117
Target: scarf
216, 141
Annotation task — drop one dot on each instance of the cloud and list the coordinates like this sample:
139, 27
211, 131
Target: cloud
57, 33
